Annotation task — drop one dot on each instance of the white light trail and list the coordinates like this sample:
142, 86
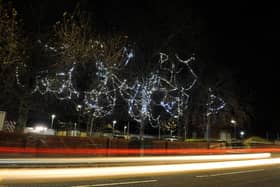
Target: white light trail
133, 159
8, 175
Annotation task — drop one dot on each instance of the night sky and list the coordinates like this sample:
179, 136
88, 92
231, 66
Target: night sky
240, 35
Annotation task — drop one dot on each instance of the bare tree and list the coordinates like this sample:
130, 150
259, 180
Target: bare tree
11, 39
224, 86
97, 59
13, 57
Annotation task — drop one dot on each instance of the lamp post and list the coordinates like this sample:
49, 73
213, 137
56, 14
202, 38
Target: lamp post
159, 131
124, 129
242, 133
52, 116
114, 123
185, 133
234, 126
79, 109
128, 124
208, 130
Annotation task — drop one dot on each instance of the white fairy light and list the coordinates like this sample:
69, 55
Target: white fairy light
101, 100
60, 84
174, 98
214, 104
172, 95
17, 78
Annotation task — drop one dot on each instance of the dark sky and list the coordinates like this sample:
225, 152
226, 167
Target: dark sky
247, 36
242, 35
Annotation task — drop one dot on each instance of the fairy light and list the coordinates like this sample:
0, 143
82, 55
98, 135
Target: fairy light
61, 84
17, 78
214, 104
187, 63
129, 54
175, 96
139, 94
101, 100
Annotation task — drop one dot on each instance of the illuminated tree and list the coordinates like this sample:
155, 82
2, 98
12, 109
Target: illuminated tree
169, 126
229, 104
11, 41
88, 67
13, 58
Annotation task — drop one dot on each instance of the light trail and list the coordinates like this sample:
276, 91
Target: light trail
108, 152
131, 159
72, 174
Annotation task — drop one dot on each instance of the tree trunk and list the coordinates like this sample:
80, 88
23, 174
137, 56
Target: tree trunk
90, 129
22, 114
179, 127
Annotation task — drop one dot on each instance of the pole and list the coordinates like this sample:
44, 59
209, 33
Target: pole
235, 135
124, 130
141, 133
141, 136
159, 131
185, 134
128, 128
208, 132
91, 125
52, 117
52, 123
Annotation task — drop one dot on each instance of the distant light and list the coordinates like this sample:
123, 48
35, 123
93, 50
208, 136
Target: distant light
53, 116
40, 128
233, 121
79, 106
242, 133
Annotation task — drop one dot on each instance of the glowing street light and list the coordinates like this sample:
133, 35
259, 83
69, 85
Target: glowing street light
124, 129
234, 125
52, 116
242, 133
79, 109
114, 123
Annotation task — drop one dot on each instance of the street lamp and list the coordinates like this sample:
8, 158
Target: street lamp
124, 128
114, 123
52, 116
234, 125
185, 133
242, 133
79, 106
79, 109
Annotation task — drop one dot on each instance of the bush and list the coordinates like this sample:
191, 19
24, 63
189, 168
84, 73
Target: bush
256, 140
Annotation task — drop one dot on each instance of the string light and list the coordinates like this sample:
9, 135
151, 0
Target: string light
214, 104
162, 83
60, 84
101, 100
18, 79
162, 90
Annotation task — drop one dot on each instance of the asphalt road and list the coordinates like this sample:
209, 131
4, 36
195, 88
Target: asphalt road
234, 173
243, 177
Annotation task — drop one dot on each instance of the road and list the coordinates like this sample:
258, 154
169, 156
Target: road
250, 172
245, 177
